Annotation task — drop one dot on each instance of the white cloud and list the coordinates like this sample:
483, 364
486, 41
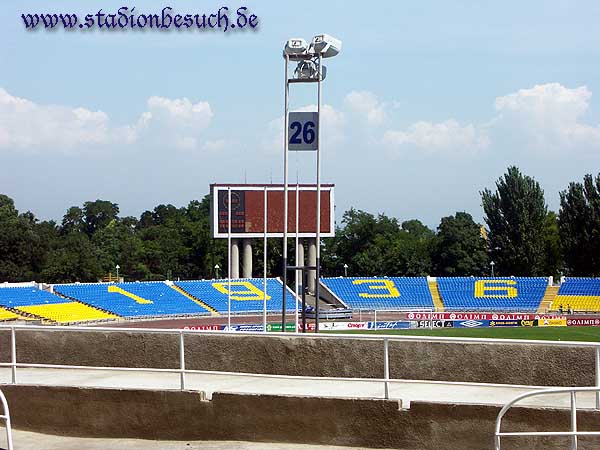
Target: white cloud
448, 137
548, 117
367, 105
545, 117
28, 126
177, 123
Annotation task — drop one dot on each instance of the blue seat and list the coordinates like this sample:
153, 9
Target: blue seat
146, 299
522, 294
381, 293
246, 294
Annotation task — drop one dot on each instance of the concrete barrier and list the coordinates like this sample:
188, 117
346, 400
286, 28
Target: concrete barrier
178, 415
546, 365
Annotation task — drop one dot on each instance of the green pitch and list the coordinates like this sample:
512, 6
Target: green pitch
590, 334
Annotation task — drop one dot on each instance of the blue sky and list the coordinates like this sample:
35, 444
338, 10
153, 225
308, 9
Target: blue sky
427, 104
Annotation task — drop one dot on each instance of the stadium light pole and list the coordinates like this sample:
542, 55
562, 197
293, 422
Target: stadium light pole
492, 264
285, 189
229, 258
265, 261
117, 267
217, 267
345, 270
310, 70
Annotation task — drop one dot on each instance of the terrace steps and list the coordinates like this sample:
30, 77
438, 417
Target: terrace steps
435, 295
548, 299
196, 300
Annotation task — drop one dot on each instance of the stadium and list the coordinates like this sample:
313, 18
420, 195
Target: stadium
259, 315
403, 384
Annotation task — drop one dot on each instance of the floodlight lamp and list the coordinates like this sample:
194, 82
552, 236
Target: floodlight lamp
309, 70
325, 45
306, 70
295, 47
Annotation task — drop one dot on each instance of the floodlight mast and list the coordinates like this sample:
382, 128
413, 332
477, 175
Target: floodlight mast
285, 190
308, 57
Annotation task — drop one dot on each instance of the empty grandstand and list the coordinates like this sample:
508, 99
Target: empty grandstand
579, 294
70, 303
381, 293
492, 294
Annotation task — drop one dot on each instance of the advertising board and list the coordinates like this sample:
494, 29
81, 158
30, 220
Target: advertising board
432, 324
504, 323
589, 321
562, 322
478, 316
393, 325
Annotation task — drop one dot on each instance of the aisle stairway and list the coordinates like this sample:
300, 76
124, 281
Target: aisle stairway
212, 310
548, 299
435, 295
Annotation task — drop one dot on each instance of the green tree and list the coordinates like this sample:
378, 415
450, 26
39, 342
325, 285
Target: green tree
73, 259
73, 221
98, 214
362, 243
409, 251
553, 257
515, 215
460, 250
118, 244
579, 226
20, 250
372, 246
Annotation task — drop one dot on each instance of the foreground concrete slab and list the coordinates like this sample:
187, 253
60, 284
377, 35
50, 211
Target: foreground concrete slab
173, 415
404, 391
25, 440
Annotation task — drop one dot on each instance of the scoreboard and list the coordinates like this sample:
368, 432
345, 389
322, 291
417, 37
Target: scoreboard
248, 208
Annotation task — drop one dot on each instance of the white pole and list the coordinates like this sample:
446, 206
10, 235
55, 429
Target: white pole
229, 258
318, 233
13, 355
298, 262
182, 360
386, 368
285, 194
574, 420
598, 378
265, 264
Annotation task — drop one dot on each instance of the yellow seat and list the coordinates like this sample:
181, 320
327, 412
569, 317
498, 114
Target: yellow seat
67, 312
7, 315
577, 302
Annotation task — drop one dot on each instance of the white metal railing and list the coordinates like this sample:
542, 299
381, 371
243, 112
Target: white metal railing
6, 417
389, 314
384, 339
574, 433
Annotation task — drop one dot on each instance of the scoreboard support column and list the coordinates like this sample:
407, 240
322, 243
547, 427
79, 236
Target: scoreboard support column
247, 258
235, 259
312, 261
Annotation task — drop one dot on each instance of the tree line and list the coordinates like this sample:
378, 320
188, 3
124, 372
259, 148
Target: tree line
520, 236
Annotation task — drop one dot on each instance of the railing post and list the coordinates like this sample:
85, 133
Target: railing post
574, 419
375, 318
7, 424
386, 367
182, 360
13, 354
598, 377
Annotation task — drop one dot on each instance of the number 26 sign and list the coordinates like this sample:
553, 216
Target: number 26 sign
302, 131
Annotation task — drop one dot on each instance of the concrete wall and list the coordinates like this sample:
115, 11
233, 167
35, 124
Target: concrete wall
509, 364
366, 423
